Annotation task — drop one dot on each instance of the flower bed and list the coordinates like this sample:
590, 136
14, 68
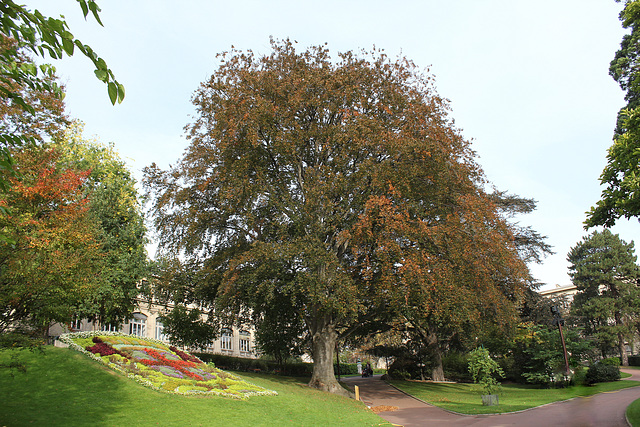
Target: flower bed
155, 365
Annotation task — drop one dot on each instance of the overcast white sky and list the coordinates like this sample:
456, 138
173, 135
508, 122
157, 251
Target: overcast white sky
528, 81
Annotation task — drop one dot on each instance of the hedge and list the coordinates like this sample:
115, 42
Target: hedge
602, 373
634, 360
296, 369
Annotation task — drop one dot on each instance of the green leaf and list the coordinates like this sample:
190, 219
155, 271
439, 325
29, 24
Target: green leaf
101, 75
85, 8
120, 93
113, 92
95, 9
101, 64
67, 45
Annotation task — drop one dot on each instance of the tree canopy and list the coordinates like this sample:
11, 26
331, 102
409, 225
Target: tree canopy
115, 207
621, 175
340, 186
54, 259
604, 270
25, 32
76, 235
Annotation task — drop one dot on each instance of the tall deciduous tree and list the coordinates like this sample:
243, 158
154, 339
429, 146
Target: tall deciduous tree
342, 185
54, 260
43, 121
604, 270
115, 206
621, 176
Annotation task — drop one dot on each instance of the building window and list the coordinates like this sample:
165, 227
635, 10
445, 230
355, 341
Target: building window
109, 328
138, 325
225, 340
76, 324
160, 332
245, 340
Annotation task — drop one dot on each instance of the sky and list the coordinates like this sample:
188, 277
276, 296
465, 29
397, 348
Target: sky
527, 82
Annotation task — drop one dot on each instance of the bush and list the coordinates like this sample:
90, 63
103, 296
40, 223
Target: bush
579, 375
346, 369
456, 366
296, 369
634, 360
403, 369
602, 373
612, 361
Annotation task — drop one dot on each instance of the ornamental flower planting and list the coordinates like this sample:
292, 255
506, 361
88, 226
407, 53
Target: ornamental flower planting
185, 356
158, 366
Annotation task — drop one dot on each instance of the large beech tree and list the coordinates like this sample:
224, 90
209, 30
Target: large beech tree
341, 185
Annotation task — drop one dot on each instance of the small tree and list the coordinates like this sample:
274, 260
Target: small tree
483, 370
186, 327
539, 356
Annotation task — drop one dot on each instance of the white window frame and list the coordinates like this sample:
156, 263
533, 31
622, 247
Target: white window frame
160, 332
245, 342
109, 328
138, 325
226, 340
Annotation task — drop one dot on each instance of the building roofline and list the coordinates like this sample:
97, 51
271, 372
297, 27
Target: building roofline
558, 289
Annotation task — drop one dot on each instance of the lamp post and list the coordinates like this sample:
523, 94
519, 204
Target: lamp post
557, 320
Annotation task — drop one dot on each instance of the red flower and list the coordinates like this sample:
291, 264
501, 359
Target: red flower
179, 365
102, 349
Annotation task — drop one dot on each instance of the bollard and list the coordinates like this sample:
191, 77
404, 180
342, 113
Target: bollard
357, 393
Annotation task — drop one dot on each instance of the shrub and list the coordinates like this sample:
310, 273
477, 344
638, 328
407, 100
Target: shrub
634, 360
403, 369
296, 369
579, 375
602, 373
346, 369
483, 368
455, 366
613, 361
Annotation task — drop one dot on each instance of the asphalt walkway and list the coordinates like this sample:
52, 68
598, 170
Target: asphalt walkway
601, 410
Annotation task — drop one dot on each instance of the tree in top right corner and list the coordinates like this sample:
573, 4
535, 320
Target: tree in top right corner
621, 175
604, 270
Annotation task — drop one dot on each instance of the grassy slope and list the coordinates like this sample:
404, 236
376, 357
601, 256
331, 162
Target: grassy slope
62, 388
465, 398
633, 413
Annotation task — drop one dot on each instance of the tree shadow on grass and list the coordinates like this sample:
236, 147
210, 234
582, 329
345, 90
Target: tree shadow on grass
60, 387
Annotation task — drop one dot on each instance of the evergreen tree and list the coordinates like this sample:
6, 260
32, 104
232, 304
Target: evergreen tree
621, 195
604, 270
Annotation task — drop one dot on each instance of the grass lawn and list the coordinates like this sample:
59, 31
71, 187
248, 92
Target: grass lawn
633, 413
62, 387
465, 398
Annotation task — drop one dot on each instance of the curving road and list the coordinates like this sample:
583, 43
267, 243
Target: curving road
601, 410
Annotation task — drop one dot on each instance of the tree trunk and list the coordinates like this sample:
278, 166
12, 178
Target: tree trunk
433, 344
624, 357
437, 374
323, 344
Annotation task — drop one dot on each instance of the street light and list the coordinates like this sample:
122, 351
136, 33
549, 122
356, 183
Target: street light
557, 320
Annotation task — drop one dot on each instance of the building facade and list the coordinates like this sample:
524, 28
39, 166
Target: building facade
145, 322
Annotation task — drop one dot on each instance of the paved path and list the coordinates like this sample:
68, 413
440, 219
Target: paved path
601, 410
